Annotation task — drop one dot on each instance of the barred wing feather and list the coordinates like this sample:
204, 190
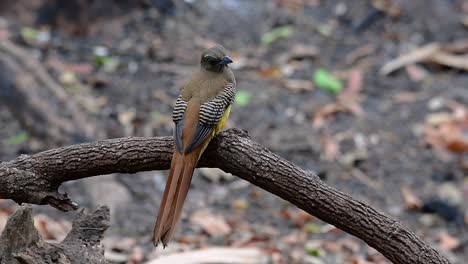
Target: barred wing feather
178, 118
210, 115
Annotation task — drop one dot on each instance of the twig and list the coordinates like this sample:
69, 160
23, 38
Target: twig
447, 59
443, 54
417, 55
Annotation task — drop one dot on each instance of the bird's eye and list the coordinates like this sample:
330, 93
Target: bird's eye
211, 60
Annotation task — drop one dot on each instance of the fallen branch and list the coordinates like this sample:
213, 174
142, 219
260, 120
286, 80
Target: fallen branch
414, 56
442, 54
213, 255
36, 178
30, 93
20, 242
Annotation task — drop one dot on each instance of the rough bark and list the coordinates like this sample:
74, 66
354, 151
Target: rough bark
20, 242
36, 178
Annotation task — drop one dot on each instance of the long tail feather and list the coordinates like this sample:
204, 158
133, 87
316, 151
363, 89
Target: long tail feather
175, 192
168, 197
183, 187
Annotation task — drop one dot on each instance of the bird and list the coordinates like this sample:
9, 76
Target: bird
200, 112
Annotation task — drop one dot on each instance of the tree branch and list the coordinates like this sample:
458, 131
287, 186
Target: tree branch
36, 178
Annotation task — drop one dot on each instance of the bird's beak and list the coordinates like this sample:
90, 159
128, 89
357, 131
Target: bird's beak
225, 61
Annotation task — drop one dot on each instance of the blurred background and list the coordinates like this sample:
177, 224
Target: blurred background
369, 94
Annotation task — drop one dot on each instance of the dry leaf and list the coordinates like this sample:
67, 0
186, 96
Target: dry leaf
126, 117
301, 217
359, 53
191, 239
214, 225
416, 73
256, 241
240, 204
244, 63
391, 8
332, 247
407, 97
410, 200
297, 85
77, 68
298, 216
451, 136
276, 258
460, 112
354, 85
325, 112
376, 257
359, 260
440, 118
297, 5
330, 146
448, 242
350, 244
274, 72
301, 51
4, 34
51, 229
294, 238
137, 256
3, 220
450, 133
349, 100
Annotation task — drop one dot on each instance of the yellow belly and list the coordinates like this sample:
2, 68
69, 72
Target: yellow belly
218, 128
223, 121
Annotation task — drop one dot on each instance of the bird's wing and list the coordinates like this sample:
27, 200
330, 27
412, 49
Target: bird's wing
210, 115
178, 118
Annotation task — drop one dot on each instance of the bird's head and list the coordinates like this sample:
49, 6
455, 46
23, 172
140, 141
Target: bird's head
214, 59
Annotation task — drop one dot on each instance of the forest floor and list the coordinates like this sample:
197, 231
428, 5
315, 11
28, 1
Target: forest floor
316, 84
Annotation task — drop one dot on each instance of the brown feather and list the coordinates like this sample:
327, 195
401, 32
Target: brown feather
175, 172
203, 86
178, 182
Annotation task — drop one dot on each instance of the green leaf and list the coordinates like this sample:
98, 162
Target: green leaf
276, 33
17, 139
29, 33
313, 251
325, 30
109, 64
324, 80
243, 97
100, 60
312, 227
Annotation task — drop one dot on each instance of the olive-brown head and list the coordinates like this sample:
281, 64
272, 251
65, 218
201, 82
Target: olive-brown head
215, 59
